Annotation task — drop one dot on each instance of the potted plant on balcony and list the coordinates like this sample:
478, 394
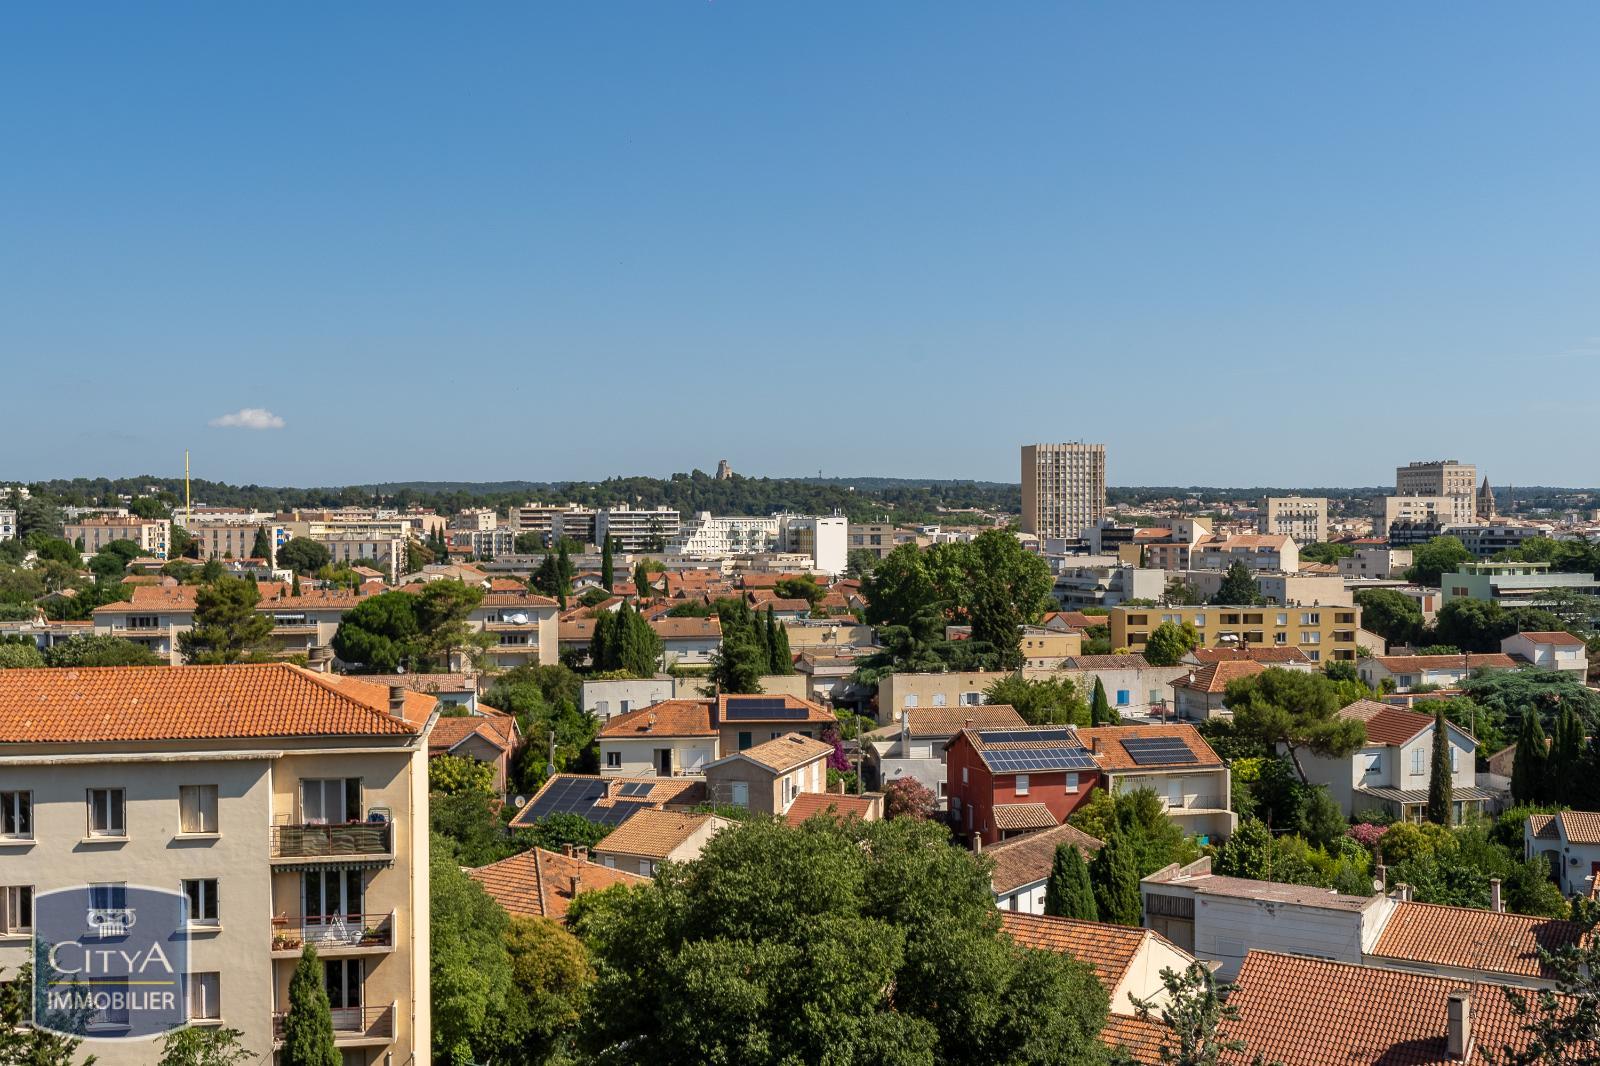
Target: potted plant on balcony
372, 935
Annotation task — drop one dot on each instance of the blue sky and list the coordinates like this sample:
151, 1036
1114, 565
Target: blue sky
1253, 243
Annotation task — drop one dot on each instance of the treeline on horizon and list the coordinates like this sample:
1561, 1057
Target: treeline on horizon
864, 499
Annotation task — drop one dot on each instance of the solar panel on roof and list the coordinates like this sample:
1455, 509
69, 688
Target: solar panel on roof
763, 708
637, 788
1061, 757
1021, 736
1158, 751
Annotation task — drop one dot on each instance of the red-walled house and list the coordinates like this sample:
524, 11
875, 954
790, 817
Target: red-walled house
1004, 782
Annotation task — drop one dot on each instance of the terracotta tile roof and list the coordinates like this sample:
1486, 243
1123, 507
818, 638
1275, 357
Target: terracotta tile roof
654, 834
786, 605
786, 752
814, 712
447, 733
843, 806
1106, 744
427, 682
948, 721
685, 628
1009, 816
1110, 949
1300, 1011
524, 598
1076, 619
1579, 827
1543, 827
505, 584
1143, 1040
1131, 661
1565, 640
1206, 656
669, 718
1213, 678
538, 883
125, 703
1399, 664
1473, 939
1026, 860
1387, 724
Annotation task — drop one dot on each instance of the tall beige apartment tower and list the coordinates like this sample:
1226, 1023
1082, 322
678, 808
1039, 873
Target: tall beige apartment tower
1442, 477
1063, 488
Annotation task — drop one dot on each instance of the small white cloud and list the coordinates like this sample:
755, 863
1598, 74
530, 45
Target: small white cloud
249, 418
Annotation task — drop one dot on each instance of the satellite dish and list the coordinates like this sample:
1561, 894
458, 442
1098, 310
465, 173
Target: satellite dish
519, 802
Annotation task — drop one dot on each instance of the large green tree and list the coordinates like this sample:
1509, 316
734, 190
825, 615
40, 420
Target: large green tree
780, 658
1529, 782
832, 943
1100, 712
1441, 555
740, 660
1069, 893
1045, 701
1115, 874
1439, 783
308, 1024
23, 1045
304, 556
1394, 616
261, 547
203, 1045
474, 995
1296, 711
608, 564
1169, 642
1238, 586
227, 627
380, 633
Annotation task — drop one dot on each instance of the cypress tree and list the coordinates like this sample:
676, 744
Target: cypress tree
608, 565
641, 580
1528, 783
262, 548
1566, 753
1068, 893
763, 639
602, 652
1116, 882
308, 1026
294, 586
1438, 810
778, 641
1100, 712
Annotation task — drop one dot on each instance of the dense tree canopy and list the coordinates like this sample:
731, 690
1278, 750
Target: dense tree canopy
227, 626
830, 944
417, 630
1046, 701
100, 649
304, 556
1394, 616
1169, 642
1297, 711
1441, 555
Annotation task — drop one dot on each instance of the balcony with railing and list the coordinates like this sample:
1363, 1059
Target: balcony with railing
352, 1026
294, 844
333, 934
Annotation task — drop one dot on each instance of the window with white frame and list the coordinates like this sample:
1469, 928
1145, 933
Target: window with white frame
741, 794
613, 759
1022, 784
938, 699
1454, 753
963, 775
1416, 760
911, 700
197, 808
16, 815
971, 699
16, 909
106, 812
202, 895
203, 995
1374, 762
1072, 782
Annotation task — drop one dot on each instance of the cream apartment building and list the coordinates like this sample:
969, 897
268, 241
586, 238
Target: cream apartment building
1323, 633
152, 535
1442, 477
1063, 488
1304, 519
287, 806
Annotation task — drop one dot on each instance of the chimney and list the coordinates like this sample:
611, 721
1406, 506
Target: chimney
397, 700
1495, 902
1458, 1025
566, 849
977, 844
577, 882
1380, 873
580, 853
1402, 892
318, 658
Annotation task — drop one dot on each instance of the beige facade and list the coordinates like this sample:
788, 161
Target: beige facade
152, 535
1063, 488
957, 689
233, 539
1323, 633
1304, 519
1416, 509
750, 779
525, 626
245, 819
1044, 649
1442, 477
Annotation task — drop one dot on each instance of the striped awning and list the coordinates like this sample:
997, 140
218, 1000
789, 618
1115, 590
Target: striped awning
1416, 795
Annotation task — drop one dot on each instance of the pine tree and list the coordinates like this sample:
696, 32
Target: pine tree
1068, 893
262, 548
308, 1026
1100, 712
778, 642
1116, 882
1528, 784
294, 585
1439, 784
607, 565
1238, 588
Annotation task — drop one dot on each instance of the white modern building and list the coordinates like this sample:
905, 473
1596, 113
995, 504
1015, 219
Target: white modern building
636, 530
